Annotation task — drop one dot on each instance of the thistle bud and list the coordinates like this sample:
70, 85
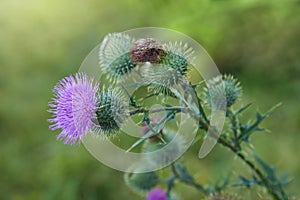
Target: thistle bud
112, 111
141, 182
222, 87
114, 58
162, 78
178, 56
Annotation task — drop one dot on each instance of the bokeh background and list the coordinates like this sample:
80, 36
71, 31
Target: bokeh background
42, 41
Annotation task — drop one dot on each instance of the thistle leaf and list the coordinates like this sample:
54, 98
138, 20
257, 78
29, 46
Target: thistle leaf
246, 182
243, 109
247, 130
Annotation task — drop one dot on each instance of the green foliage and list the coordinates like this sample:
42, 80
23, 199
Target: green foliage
122, 65
42, 41
239, 133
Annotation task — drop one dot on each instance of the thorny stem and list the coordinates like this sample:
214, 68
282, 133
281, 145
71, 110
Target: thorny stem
143, 110
235, 148
171, 183
234, 128
245, 160
188, 181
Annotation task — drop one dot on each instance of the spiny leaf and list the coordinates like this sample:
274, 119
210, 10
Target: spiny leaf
269, 170
247, 129
183, 173
247, 182
274, 183
247, 134
222, 185
243, 108
285, 180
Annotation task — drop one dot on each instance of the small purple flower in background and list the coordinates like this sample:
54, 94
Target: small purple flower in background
157, 194
145, 128
73, 107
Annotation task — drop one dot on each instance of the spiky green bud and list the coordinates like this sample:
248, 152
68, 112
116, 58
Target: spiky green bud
114, 58
141, 182
121, 65
162, 78
222, 91
112, 110
178, 56
177, 62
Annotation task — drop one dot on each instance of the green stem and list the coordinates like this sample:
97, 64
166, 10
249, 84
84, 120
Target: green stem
171, 184
143, 110
235, 148
153, 132
188, 181
234, 128
236, 151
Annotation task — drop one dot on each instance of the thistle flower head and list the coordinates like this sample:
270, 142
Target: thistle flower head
141, 182
178, 56
114, 57
112, 110
162, 78
146, 50
157, 194
222, 87
73, 107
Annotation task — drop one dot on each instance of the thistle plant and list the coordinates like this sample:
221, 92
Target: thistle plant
80, 107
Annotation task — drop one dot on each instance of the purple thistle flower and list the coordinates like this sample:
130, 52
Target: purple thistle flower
157, 194
73, 107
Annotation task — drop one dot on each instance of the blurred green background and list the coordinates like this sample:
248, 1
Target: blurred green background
42, 41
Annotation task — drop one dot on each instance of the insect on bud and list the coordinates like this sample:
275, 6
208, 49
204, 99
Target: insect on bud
146, 50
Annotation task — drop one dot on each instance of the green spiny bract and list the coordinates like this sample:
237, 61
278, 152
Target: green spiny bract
112, 111
114, 58
177, 62
121, 66
222, 91
177, 55
162, 78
